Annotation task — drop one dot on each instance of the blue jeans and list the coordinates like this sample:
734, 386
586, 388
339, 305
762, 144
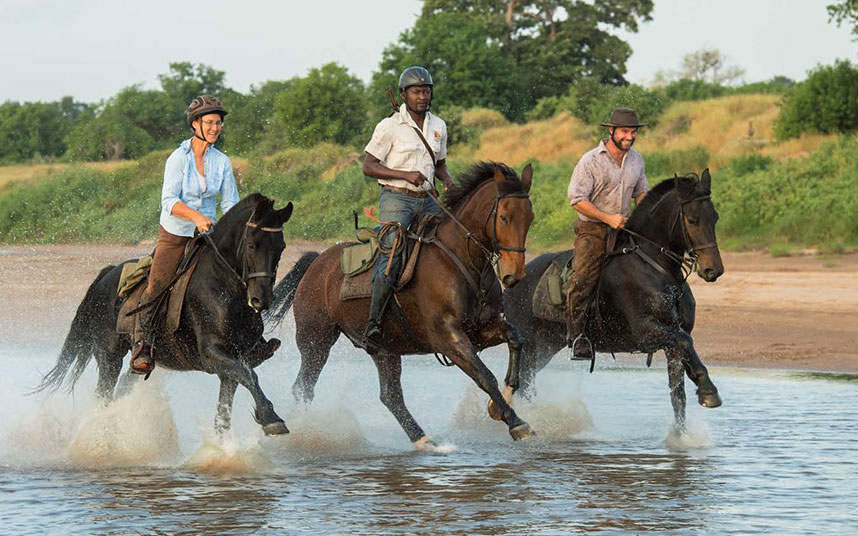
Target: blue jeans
404, 209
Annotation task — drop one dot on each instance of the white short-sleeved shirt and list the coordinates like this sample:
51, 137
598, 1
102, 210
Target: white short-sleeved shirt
598, 178
398, 147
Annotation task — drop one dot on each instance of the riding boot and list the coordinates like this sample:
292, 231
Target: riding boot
381, 291
575, 338
143, 344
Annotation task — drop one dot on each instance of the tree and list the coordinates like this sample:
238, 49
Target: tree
706, 66
826, 102
251, 122
845, 11
32, 129
467, 69
187, 80
326, 105
555, 42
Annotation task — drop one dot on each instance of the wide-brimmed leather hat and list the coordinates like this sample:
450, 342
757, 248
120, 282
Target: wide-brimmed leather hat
623, 117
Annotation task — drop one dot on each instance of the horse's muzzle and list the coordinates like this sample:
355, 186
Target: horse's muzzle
509, 280
710, 274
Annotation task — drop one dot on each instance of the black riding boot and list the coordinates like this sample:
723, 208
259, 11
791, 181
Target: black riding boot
381, 291
142, 358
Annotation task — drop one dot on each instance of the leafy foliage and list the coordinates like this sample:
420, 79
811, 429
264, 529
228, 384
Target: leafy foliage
326, 105
37, 129
826, 102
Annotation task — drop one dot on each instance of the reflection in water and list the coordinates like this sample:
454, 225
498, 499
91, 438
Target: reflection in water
778, 458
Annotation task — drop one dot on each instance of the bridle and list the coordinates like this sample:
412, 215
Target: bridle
244, 277
688, 260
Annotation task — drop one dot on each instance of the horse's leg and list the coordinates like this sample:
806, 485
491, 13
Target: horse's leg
538, 351
459, 349
707, 393
390, 392
497, 332
218, 361
223, 419
314, 343
676, 381
109, 362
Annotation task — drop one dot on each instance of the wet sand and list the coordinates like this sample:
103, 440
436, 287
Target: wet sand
787, 312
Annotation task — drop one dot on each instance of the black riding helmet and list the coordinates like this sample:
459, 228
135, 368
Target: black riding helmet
204, 105
415, 76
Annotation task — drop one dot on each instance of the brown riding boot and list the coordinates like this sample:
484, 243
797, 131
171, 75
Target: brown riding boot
143, 346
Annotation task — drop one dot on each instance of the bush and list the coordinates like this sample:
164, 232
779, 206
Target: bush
826, 102
483, 118
680, 162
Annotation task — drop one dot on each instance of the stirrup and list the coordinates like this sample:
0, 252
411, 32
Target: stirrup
147, 364
592, 358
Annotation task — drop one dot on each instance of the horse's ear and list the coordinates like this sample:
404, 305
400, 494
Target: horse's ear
706, 181
284, 213
675, 181
499, 177
527, 177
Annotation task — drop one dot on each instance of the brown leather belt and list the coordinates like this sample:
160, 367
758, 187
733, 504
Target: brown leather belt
419, 195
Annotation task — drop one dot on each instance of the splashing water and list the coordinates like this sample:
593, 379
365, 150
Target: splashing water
137, 429
695, 436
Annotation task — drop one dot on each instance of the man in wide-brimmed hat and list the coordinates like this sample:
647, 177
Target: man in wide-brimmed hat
601, 189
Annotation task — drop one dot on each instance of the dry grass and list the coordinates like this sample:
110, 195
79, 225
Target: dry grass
40, 171
727, 127
560, 138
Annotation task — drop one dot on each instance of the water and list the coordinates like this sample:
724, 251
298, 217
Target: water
777, 458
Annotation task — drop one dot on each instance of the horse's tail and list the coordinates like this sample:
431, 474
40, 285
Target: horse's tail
78, 346
284, 292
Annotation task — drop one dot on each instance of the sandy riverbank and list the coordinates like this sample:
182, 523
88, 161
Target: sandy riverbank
788, 312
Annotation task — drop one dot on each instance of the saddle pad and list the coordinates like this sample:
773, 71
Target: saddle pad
548, 297
359, 285
132, 274
125, 323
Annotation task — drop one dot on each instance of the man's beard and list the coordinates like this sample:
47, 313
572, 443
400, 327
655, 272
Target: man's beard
618, 144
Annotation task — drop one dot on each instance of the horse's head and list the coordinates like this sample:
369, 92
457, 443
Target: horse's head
697, 217
262, 246
509, 222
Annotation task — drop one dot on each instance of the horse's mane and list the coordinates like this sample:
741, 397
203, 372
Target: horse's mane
641, 213
476, 175
239, 213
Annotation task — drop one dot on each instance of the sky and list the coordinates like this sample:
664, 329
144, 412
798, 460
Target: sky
89, 49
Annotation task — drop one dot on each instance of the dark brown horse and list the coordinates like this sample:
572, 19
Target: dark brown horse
644, 303
451, 306
221, 326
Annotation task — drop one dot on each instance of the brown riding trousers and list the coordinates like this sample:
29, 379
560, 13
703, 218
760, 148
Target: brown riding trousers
168, 254
590, 243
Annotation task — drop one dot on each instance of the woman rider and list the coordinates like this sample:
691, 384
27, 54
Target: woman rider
195, 174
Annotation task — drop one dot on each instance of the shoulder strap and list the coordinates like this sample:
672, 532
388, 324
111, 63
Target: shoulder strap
426, 144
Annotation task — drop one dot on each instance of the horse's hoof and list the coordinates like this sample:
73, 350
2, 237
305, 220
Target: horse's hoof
275, 428
709, 400
494, 412
522, 431
424, 444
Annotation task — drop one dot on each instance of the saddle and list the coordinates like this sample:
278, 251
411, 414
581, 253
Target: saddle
549, 297
131, 286
357, 260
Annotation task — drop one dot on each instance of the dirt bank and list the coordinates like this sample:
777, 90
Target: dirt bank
789, 312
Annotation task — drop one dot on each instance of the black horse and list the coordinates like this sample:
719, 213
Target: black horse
220, 328
643, 301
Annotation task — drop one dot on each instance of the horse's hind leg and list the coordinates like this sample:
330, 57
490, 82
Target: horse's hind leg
109, 362
223, 419
390, 392
676, 381
314, 343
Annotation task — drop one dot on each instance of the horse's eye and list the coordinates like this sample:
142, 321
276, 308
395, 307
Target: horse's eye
504, 219
251, 246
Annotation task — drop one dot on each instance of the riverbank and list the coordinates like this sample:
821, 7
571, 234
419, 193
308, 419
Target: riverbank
773, 312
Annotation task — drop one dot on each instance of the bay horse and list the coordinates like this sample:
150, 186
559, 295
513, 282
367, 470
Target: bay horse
220, 328
452, 306
643, 302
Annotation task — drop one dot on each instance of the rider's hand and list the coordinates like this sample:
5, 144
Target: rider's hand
616, 221
448, 184
415, 177
203, 223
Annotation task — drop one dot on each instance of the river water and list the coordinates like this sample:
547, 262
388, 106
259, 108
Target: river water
778, 458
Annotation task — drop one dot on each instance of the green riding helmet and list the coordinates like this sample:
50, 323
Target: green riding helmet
415, 76
204, 105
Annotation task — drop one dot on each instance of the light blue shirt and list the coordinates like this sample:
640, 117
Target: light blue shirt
182, 183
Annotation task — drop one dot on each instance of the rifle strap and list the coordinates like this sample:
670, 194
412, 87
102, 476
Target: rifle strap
426, 144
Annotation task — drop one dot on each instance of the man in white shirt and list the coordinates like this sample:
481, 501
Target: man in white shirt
406, 152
